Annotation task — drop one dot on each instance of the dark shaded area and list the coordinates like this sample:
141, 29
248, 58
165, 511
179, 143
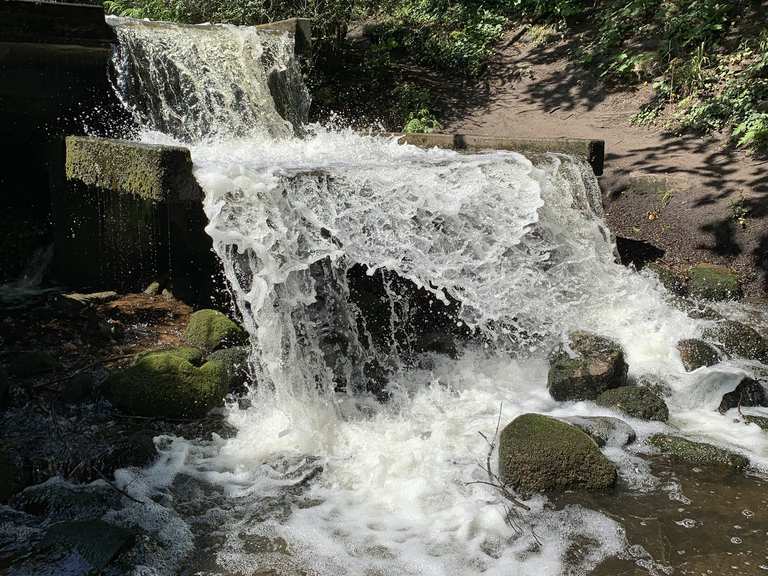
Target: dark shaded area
637, 253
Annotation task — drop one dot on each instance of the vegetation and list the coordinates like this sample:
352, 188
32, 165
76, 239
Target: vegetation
706, 59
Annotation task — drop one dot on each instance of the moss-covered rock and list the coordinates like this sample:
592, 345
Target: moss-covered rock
210, 330
672, 281
604, 430
696, 353
696, 453
540, 454
636, 402
189, 353
710, 282
597, 365
655, 384
167, 386
748, 393
235, 362
737, 339
32, 363
761, 421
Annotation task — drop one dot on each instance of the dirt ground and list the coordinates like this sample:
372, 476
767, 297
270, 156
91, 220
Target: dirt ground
536, 90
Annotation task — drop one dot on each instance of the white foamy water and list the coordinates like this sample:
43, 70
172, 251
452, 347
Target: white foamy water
321, 478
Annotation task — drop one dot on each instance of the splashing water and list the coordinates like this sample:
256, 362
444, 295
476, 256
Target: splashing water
321, 478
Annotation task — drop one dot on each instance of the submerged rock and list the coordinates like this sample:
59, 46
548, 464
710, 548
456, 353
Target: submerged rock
636, 402
604, 430
210, 330
598, 365
167, 386
672, 281
696, 354
761, 421
711, 282
540, 454
655, 384
738, 339
749, 392
697, 453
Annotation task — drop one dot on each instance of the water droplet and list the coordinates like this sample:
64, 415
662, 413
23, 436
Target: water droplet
747, 513
736, 540
687, 523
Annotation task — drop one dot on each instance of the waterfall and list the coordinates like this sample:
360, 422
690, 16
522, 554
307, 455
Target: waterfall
351, 258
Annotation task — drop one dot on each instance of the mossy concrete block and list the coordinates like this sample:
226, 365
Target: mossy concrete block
710, 282
210, 330
737, 339
165, 385
301, 28
696, 353
149, 171
635, 401
592, 365
542, 454
696, 453
593, 151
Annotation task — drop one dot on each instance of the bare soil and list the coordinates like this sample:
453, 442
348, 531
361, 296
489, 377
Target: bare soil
536, 89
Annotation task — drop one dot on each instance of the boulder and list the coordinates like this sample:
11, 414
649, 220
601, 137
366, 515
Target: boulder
5, 390
10, 475
94, 541
541, 454
604, 430
737, 339
236, 364
749, 392
192, 355
655, 384
710, 282
165, 385
672, 281
696, 453
597, 365
636, 402
696, 353
210, 330
761, 421
32, 363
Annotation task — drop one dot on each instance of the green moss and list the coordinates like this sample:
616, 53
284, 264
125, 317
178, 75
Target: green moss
235, 362
635, 401
210, 329
738, 339
697, 453
539, 454
166, 385
710, 282
696, 354
192, 355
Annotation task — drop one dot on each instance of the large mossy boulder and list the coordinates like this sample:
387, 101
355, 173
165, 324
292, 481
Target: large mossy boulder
696, 453
592, 365
737, 339
542, 454
165, 385
236, 365
635, 401
696, 353
210, 330
604, 430
710, 282
191, 354
748, 393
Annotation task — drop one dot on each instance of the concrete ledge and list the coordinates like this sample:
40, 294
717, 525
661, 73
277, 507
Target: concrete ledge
151, 172
593, 151
54, 23
301, 28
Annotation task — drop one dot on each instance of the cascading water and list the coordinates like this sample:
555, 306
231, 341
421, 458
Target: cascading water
321, 477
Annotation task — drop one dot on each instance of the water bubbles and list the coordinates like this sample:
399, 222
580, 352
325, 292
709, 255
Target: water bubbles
688, 523
747, 513
736, 540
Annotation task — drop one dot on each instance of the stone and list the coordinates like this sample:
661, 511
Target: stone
189, 353
636, 402
737, 339
696, 453
10, 475
669, 279
748, 393
598, 365
236, 365
604, 430
696, 353
164, 385
137, 450
78, 387
153, 289
32, 363
210, 330
761, 421
710, 282
92, 297
542, 454
5, 389
655, 384
94, 541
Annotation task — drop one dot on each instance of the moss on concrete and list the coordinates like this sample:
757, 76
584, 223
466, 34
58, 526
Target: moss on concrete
710, 282
165, 385
210, 329
540, 454
635, 401
697, 453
